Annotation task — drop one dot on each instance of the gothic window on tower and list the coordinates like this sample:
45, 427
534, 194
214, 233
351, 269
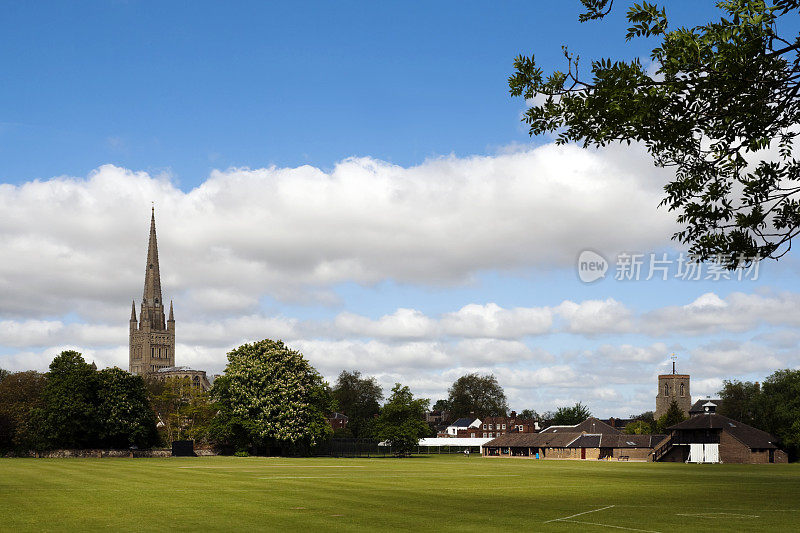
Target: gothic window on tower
666, 389
682, 392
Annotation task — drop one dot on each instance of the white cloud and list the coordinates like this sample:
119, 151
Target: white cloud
291, 233
491, 320
737, 312
31, 333
628, 353
596, 316
726, 358
705, 387
402, 324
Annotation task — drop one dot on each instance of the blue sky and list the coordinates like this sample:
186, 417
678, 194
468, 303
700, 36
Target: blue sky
320, 171
191, 86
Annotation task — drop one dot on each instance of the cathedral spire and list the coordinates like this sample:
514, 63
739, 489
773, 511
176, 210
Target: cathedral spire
171, 314
151, 346
152, 277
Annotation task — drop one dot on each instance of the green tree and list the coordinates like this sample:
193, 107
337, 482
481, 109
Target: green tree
20, 396
721, 108
67, 417
476, 395
359, 398
638, 427
401, 421
673, 415
742, 401
227, 430
781, 408
569, 416
183, 411
529, 414
123, 410
280, 397
441, 405
4, 374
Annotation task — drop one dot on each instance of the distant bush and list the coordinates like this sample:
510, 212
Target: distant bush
638, 427
241, 454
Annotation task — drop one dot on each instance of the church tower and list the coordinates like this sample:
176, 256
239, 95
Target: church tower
152, 338
673, 387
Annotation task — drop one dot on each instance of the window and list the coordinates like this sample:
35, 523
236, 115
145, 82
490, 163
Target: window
484, 427
484, 433
490, 426
682, 391
666, 389
504, 426
491, 434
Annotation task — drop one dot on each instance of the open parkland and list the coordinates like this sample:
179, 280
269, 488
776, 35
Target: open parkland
420, 493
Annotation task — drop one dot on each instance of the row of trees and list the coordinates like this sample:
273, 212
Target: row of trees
473, 394
773, 406
75, 406
269, 398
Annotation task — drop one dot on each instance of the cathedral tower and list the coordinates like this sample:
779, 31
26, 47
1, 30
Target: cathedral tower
673, 387
152, 338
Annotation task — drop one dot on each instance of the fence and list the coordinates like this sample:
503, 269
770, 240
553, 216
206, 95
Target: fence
352, 448
435, 450
370, 448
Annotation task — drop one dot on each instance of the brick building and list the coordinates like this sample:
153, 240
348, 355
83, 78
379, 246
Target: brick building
494, 426
673, 387
713, 438
338, 421
575, 442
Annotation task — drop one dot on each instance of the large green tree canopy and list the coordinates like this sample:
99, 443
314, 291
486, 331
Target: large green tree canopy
68, 416
20, 396
569, 416
721, 108
474, 394
80, 407
275, 394
125, 415
359, 398
401, 421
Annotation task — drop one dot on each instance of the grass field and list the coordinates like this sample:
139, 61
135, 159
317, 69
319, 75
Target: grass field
427, 493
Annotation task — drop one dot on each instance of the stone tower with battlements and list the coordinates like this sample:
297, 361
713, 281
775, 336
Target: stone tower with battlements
673, 387
152, 338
